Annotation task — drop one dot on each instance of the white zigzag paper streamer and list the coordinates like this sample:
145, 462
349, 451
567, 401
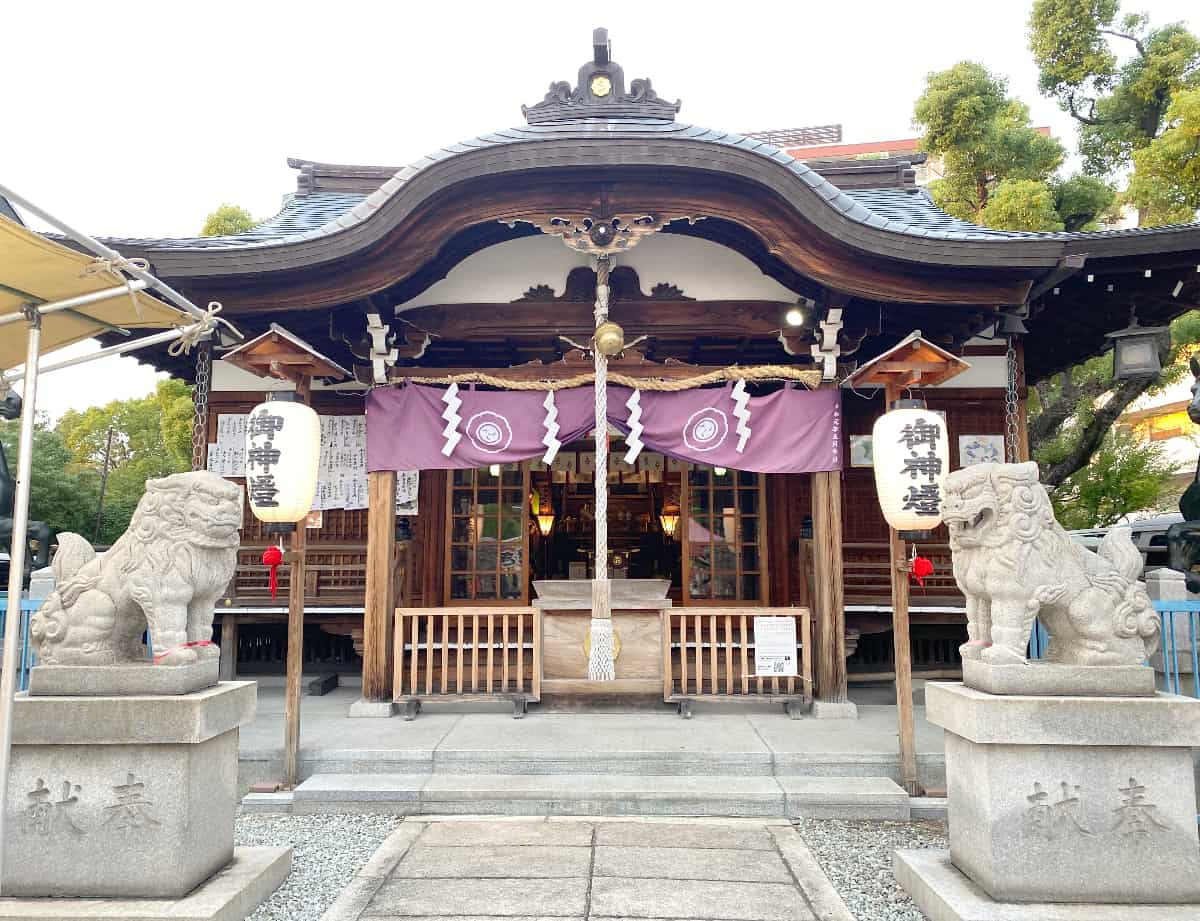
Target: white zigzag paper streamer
741, 409
633, 440
550, 423
451, 433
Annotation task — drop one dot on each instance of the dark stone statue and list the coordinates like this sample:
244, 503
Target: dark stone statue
1183, 539
10, 408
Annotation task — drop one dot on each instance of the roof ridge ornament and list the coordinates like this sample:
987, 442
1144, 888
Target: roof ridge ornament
600, 93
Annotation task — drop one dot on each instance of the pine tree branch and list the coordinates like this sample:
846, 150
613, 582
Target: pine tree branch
1093, 433
1056, 411
1090, 118
1137, 42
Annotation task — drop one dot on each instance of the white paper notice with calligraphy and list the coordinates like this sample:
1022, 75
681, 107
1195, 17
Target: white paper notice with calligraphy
341, 472
775, 646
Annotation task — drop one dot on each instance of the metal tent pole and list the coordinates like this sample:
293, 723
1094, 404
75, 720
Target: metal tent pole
157, 339
105, 252
16, 570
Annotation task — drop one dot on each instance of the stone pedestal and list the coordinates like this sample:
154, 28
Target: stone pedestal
1169, 585
123, 796
1069, 799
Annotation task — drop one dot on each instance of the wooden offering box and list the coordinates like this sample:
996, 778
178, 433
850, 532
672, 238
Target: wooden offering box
566, 611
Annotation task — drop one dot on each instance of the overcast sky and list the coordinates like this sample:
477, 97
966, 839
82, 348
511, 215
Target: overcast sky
137, 119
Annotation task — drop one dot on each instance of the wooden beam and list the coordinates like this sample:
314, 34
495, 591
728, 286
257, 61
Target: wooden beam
827, 564
379, 605
902, 644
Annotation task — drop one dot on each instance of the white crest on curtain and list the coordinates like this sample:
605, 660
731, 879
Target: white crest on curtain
633, 441
741, 409
451, 433
550, 424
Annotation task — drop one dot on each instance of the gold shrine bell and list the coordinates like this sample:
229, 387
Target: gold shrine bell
609, 338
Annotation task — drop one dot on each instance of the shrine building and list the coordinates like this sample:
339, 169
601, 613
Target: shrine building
452, 305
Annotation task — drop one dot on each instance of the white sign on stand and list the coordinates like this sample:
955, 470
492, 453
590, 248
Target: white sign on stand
775, 647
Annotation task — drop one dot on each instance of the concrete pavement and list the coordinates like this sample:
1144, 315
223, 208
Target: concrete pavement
574, 869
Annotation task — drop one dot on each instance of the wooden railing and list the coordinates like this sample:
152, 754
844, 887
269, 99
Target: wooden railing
708, 655
467, 654
334, 575
867, 574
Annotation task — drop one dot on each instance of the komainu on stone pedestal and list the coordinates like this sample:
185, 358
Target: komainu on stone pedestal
1014, 563
165, 574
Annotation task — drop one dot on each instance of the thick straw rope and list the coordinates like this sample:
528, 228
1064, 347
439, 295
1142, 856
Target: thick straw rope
810, 379
600, 658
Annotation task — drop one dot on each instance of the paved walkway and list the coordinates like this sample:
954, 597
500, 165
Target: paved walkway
574, 869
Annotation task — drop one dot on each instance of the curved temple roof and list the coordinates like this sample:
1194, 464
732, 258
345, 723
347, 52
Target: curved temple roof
908, 212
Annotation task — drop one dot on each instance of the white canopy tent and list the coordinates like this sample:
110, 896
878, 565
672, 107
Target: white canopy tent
60, 296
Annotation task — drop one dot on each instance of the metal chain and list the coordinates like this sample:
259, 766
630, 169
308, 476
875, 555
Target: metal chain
1012, 419
200, 404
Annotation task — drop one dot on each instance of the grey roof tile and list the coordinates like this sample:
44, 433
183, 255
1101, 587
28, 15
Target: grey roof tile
903, 211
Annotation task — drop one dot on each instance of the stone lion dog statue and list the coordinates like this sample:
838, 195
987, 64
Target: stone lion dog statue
1014, 562
165, 574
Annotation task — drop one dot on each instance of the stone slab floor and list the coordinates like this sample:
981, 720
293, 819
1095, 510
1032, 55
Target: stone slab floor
706, 870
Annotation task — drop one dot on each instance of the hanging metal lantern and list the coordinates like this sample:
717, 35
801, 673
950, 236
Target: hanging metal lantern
1136, 350
912, 456
283, 450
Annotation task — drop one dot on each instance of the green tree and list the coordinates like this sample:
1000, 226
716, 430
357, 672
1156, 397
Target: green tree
151, 438
1165, 185
1071, 413
1124, 476
61, 493
997, 169
226, 220
1021, 204
1120, 107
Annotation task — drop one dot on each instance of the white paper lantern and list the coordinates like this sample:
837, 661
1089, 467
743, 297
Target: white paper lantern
283, 450
912, 456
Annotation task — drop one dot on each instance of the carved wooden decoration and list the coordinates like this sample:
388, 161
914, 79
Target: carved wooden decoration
601, 235
580, 287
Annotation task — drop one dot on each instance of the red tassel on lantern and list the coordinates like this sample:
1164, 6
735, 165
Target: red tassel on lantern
919, 568
272, 557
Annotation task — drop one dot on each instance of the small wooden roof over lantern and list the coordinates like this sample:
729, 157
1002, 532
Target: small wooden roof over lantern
912, 362
280, 354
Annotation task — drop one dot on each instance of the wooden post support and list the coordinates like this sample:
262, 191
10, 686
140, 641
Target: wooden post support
229, 643
295, 657
295, 633
829, 588
902, 644
379, 607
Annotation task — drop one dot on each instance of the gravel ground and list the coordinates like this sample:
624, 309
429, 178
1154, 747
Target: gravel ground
327, 850
857, 858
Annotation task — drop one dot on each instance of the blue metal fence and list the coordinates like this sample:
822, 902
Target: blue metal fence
1177, 653
25, 660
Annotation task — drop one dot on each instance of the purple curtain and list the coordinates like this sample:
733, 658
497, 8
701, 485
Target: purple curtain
434, 428
788, 431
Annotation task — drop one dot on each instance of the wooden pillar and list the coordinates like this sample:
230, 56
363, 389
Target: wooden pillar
829, 588
379, 607
229, 644
295, 656
902, 645
295, 634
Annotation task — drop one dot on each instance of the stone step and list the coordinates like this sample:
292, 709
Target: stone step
566, 761
593, 794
